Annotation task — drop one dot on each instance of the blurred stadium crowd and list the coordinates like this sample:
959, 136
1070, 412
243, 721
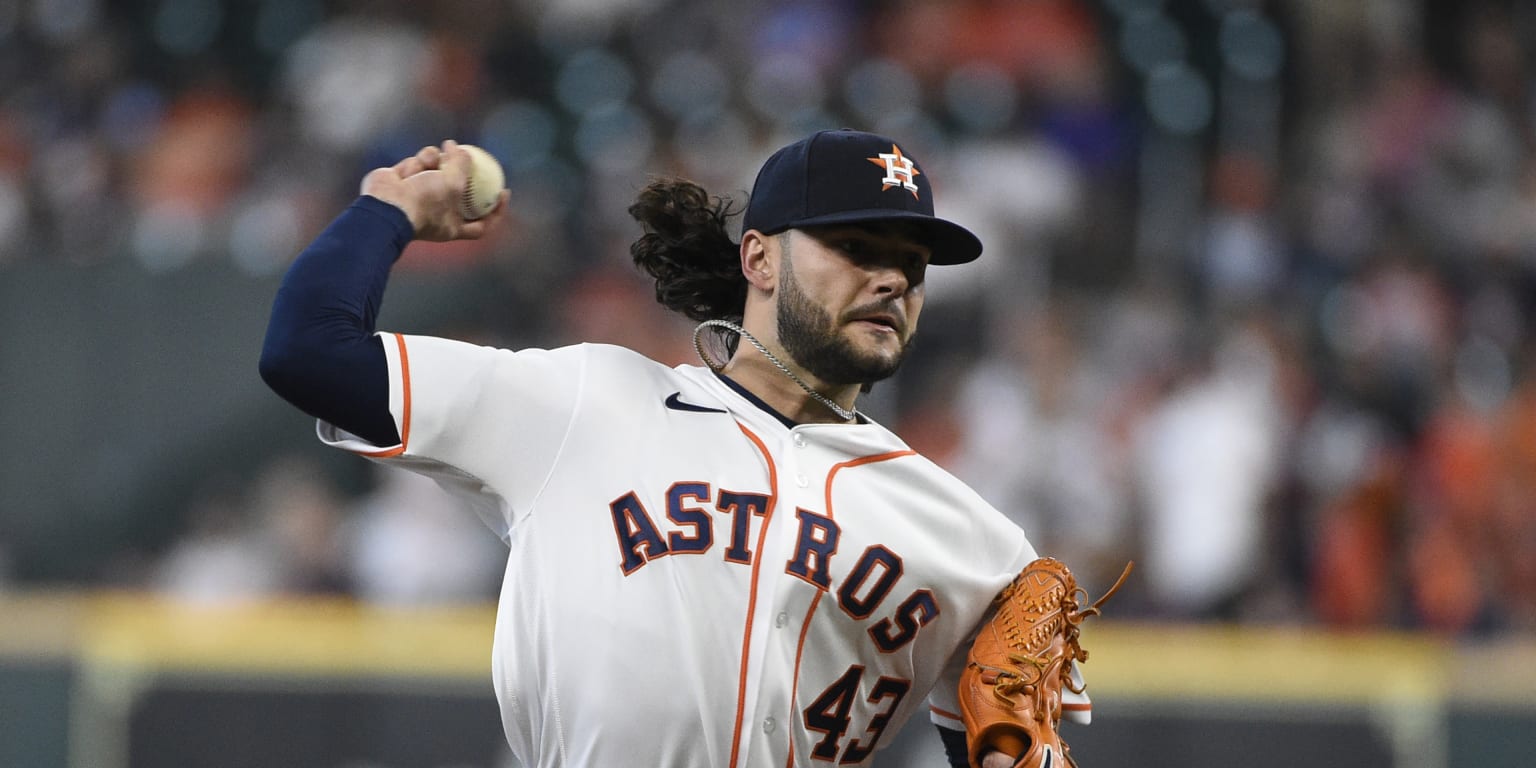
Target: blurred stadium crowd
1256, 308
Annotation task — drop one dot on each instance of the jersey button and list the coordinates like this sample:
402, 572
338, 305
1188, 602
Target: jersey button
781, 619
769, 725
799, 440
801, 481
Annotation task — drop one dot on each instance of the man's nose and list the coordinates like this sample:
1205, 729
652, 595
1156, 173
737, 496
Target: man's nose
891, 279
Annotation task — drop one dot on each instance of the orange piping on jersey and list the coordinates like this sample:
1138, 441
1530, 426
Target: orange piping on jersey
1078, 707
405, 415
794, 690
857, 462
811, 612
746, 635
944, 713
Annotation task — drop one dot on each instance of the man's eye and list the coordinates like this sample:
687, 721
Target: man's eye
854, 247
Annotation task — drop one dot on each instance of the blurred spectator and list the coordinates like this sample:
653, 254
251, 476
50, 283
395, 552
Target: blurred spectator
15, 224
220, 557
186, 177
1390, 330
1034, 441
352, 77
1451, 580
200, 156
1206, 462
1241, 261
1513, 544
1019, 223
278, 535
1356, 537
1034, 42
299, 511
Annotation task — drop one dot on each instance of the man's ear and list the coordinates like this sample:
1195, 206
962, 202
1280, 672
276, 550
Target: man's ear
759, 260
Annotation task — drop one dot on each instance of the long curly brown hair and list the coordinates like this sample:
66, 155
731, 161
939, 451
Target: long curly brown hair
686, 248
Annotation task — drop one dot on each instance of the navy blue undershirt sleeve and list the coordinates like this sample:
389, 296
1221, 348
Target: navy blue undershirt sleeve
320, 352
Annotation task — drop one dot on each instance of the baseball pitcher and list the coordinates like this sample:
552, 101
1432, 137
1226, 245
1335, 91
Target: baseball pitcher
715, 565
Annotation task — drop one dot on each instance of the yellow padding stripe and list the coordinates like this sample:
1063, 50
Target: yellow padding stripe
40, 625
1149, 660
319, 637
300, 637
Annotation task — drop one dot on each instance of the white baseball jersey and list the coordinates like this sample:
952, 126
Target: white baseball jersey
691, 582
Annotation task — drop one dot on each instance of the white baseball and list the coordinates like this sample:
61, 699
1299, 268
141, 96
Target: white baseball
483, 186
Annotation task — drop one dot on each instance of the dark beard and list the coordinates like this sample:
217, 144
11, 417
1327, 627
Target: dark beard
806, 331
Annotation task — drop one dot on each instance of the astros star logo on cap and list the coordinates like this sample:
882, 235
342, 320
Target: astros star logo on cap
898, 170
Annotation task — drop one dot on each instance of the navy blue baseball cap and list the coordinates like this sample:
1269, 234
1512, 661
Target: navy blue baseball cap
852, 177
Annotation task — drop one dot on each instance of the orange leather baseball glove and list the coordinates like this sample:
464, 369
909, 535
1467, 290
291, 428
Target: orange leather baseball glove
1010, 691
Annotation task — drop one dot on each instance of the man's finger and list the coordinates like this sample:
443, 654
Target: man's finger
474, 230
452, 155
429, 157
425, 159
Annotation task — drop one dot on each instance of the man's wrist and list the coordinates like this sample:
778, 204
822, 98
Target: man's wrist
393, 213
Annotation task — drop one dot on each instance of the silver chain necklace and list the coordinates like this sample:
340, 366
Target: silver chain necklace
698, 346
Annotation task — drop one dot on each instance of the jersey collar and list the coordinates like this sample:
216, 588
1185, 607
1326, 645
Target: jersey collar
766, 408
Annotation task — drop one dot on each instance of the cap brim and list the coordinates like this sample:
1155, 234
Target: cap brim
951, 243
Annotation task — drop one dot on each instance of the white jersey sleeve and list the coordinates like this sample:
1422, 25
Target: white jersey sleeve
944, 698
468, 413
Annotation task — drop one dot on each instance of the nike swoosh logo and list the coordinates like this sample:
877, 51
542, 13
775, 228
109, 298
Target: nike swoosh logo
677, 404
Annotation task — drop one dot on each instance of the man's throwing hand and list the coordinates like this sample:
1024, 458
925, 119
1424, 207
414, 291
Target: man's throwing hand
428, 187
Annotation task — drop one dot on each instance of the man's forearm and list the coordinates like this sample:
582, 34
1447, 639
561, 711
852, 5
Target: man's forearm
320, 352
